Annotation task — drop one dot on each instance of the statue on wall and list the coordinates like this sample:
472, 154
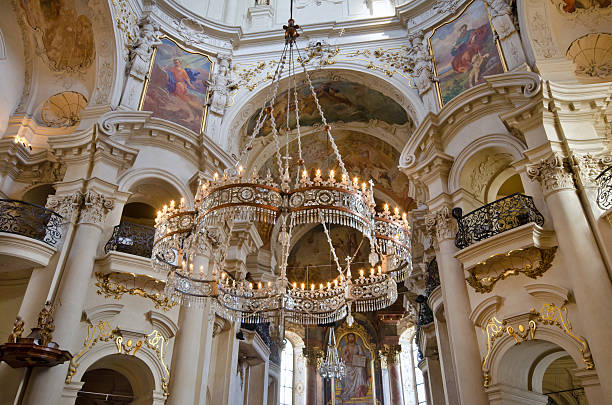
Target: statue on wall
140, 59
142, 49
421, 62
221, 85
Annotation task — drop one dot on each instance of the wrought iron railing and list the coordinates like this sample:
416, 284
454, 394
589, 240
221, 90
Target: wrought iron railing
494, 218
31, 220
425, 315
604, 191
263, 330
131, 238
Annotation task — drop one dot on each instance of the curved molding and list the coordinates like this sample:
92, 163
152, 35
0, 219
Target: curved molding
28, 252
500, 94
485, 310
135, 175
163, 323
503, 141
436, 303
548, 293
102, 312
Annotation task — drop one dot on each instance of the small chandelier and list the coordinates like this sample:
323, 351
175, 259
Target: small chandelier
287, 200
332, 366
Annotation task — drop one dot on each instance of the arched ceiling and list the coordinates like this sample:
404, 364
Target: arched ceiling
341, 101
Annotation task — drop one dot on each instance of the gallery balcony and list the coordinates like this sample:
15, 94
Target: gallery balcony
604, 189
29, 235
502, 239
128, 250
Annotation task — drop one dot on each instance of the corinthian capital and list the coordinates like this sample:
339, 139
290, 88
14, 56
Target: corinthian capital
66, 205
94, 208
441, 224
553, 173
589, 166
389, 355
313, 356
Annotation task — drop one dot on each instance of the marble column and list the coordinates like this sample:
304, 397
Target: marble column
590, 283
435, 384
390, 360
45, 385
457, 307
313, 356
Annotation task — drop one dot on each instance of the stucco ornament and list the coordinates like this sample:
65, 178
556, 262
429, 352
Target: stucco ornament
441, 224
592, 55
94, 208
553, 174
66, 205
142, 48
421, 62
221, 85
446, 6
589, 166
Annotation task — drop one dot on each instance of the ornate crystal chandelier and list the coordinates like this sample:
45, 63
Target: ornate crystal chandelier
287, 200
332, 366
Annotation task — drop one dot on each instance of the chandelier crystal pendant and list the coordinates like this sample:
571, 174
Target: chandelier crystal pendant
332, 366
286, 200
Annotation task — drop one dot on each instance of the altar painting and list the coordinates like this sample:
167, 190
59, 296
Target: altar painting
358, 387
464, 51
177, 86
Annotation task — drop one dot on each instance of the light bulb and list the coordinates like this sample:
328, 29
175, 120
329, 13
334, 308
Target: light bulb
304, 173
331, 174
303, 286
312, 287
294, 285
372, 271
259, 285
250, 286
318, 172
320, 286
386, 207
361, 273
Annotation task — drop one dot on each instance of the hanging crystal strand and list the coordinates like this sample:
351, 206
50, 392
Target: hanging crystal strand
300, 160
325, 125
331, 246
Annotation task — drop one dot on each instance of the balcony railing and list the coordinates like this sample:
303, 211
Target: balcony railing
494, 218
604, 191
30, 220
131, 238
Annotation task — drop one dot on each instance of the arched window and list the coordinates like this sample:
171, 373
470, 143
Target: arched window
286, 378
412, 376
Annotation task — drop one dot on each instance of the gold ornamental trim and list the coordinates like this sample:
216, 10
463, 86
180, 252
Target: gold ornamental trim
117, 284
549, 315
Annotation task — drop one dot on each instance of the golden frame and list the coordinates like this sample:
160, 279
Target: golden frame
360, 331
455, 17
183, 48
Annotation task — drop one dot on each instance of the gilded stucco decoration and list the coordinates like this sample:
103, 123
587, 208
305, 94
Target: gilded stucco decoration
63, 109
64, 39
525, 328
117, 284
532, 262
103, 332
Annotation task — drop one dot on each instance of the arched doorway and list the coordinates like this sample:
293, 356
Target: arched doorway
538, 372
104, 386
117, 379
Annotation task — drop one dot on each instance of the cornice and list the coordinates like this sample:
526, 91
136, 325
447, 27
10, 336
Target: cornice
493, 96
139, 127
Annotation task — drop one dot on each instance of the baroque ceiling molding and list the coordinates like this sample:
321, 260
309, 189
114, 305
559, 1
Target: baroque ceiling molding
592, 56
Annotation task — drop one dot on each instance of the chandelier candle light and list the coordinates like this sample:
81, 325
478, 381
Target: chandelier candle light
287, 200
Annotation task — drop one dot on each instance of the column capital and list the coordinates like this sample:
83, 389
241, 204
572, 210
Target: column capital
553, 173
313, 356
389, 355
441, 223
590, 165
66, 205
94, 208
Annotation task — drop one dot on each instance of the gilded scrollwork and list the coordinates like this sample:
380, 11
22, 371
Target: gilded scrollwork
100, 332
532, 262
117, 284
549, 315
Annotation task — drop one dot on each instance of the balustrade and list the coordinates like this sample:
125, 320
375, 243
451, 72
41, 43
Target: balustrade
494, 218
604, 191
131, 238
30, 220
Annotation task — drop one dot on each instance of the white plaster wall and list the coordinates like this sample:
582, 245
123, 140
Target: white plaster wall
12, 66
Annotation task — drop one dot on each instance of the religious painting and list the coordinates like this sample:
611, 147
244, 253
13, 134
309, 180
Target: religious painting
570, 6
359, 385
177, 88
310, 259
364, 156
464, 51
340, 101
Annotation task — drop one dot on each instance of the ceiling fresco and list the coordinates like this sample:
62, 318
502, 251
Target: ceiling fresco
310, 260
64, 37
364, 156
341, 101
